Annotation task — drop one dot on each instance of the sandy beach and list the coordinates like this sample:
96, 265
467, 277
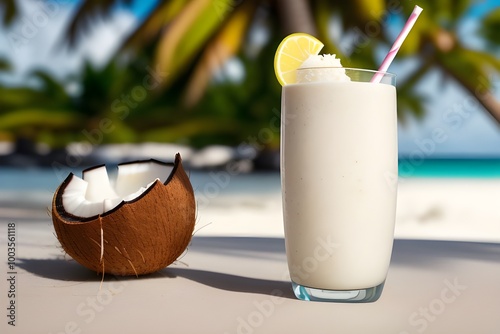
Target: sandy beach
436, 209
463, 209
237, 260
449, 209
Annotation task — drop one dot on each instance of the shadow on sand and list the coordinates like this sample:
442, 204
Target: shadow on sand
70, 271
418, 253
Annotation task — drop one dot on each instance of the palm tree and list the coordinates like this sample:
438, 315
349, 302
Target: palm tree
198, 36
441, 47
36, 114
192, 39
49, 113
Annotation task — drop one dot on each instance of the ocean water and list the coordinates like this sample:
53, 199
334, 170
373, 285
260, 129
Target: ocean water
450, 168
46, 179
34, 188
210, 182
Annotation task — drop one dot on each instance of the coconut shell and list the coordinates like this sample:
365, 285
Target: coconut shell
137, 237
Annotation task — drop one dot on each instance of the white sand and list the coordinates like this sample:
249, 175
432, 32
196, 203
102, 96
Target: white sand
53, 293
243, 275
451, 209
441, 209
446, 209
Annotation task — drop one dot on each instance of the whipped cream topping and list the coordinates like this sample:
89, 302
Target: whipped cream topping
321, 68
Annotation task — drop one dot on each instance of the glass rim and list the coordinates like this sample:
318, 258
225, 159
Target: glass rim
389, 74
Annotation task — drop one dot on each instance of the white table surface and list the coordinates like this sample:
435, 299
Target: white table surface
239, 285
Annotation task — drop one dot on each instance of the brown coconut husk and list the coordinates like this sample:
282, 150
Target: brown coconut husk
137, 237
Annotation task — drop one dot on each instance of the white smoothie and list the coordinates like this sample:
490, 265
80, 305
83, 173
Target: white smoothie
339, 158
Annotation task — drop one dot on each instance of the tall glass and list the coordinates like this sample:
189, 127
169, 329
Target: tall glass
339, 183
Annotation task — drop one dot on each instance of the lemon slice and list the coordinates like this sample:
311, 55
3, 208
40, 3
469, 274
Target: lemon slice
291, 53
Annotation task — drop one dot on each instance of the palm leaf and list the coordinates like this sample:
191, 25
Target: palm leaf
89, 10
224, 45
21, 97
42, 118
481, 58
101, 86
50, 86
369, 10
151, 28
205, 126
457, 9
10, 10
5, 65
410, 103
185, 37
461, 63
358, 13
490, 28
446, 12
323, 12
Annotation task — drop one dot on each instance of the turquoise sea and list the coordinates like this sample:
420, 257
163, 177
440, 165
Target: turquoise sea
450, 168
48, 179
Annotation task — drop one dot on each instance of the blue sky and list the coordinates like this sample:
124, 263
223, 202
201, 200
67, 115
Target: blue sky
476, 135
142, 8
469, 130
483, 7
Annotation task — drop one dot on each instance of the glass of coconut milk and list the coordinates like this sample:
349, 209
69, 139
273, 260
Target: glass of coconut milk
339, 182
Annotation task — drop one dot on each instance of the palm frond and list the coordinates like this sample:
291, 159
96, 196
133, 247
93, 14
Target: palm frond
88, 11
51, 87
490, 28
457, 9
224, 45
151, 28
198, 127
21, 97
323, 12
369, 10
411, 103
39, 117
468, 66
5, 65
483, 59
186, 35
358, 13
10, 11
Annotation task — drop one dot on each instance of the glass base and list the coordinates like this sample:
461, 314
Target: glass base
368, 295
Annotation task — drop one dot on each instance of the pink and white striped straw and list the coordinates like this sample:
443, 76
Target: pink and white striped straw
397, 44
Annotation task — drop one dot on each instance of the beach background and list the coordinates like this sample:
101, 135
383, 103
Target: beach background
441, 200
83, 85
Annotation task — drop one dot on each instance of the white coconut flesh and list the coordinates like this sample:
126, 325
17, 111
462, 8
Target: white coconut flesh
96, 193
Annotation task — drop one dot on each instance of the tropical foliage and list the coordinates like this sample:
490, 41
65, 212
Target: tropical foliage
170, 80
